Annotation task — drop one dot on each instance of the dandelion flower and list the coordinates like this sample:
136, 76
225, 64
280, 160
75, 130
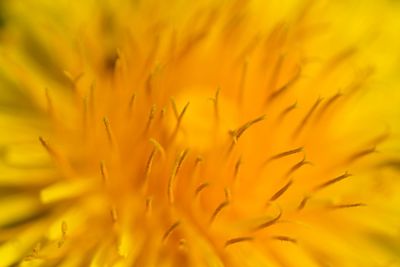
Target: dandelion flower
209, 133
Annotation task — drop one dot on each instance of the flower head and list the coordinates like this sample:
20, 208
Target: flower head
217, 133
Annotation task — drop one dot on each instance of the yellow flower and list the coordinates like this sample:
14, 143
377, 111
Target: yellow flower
203, 133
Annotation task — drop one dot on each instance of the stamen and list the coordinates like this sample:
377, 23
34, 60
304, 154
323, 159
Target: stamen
332, 181
345, 206
120, 63
162, 113
328, 103
174, 108
297, 166
215, 100
114, 215
281, 191
284, 238
237, 168
179, 119
239, 131
199, 159
151, 117
104, 172
148, 166
228, 194
339, 58
361, 154
360, 81
175, 170
149, 83
192, 41
73, 80
284, 154
34, 254
285, 87
49, 149
287, 111
49, 102
303, 202
183, 244
36, 249
132, 101
181, 115
306, 118
269, 222
158, 147
149, 203
196, 167
110, 134
218, 210
58, 158
379, 138
64, 229
169, 231
200, 188
238, 240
